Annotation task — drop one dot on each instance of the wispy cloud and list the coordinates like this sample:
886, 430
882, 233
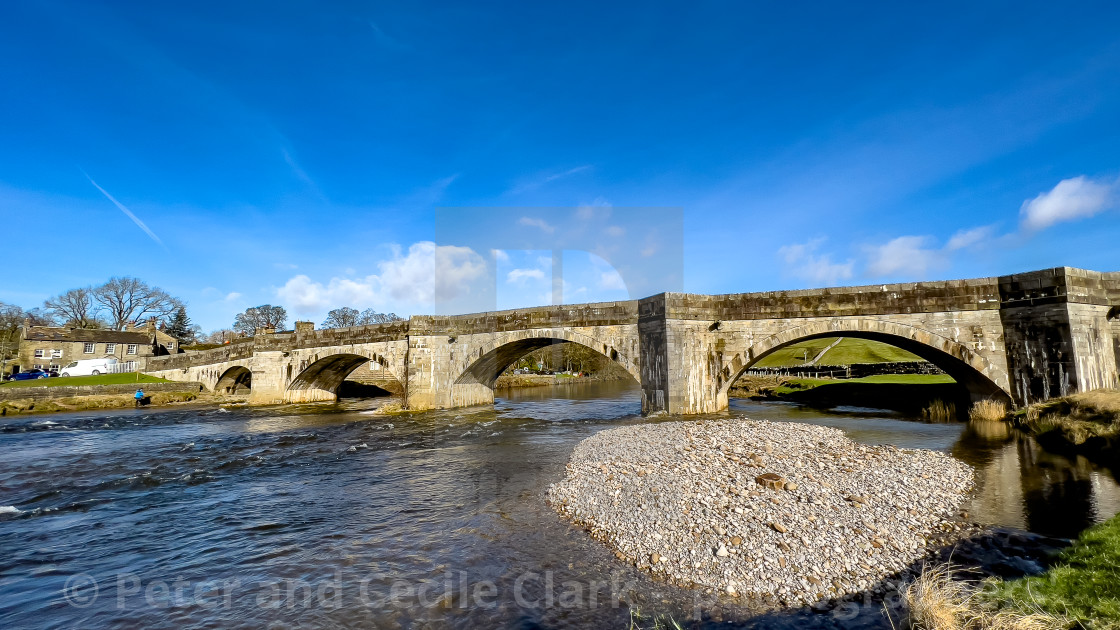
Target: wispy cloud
518, 275
804, 262
384, 39
537, 223
600, 208
908, 255
546, 179
970, 237
1071, 199
120, 206
231, 296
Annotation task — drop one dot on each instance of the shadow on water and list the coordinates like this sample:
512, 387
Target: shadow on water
434, 519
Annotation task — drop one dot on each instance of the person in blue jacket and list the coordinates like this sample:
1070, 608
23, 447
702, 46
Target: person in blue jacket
139, 397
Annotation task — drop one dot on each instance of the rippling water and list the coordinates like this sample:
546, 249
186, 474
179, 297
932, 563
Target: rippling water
334, 516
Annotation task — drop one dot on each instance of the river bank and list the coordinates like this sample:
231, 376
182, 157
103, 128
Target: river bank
1079, 588
1086, 424
746, 506
907, 393
512, 381
63, 404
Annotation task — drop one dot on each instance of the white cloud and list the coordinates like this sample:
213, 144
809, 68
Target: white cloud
968, 238
599, 208
288, 266
415, 280
1075, 198
611, 280
803, 262
537, 223
518, 275
499, 255
615, 230
906, 255
233, 295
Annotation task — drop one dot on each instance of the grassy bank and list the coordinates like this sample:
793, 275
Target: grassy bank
86, 403
76, 381
1090, 420
1081, 589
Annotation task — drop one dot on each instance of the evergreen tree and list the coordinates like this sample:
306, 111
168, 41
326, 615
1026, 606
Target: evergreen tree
180, 327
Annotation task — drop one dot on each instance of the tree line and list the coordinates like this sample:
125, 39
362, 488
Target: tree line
122, 301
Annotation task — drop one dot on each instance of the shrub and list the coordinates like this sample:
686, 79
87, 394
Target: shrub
988, 411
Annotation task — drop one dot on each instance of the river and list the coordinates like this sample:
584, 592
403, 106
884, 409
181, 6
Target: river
332, 515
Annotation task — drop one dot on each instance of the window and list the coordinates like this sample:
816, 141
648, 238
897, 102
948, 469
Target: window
132, 348
56, 354
89, 347
171, 345
40, 353
110, 348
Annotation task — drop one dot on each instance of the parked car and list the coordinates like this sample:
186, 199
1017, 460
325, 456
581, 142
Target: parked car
88, 367
30, 375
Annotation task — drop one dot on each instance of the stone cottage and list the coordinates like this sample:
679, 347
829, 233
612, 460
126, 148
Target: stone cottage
50, 347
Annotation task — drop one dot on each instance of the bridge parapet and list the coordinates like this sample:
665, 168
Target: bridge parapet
593, 314
880, 299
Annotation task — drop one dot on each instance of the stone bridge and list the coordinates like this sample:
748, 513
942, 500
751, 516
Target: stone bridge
1022, 338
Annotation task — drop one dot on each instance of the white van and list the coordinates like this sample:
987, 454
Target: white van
88, 367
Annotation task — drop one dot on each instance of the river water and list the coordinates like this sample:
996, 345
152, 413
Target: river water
333, 515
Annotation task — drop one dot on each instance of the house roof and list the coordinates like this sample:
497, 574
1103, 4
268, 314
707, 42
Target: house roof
50, 333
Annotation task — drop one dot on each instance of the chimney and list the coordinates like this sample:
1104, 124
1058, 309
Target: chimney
151, 329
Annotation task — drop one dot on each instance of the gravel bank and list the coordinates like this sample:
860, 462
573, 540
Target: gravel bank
797, 513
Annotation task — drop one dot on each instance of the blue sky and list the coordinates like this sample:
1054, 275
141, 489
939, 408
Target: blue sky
296, 154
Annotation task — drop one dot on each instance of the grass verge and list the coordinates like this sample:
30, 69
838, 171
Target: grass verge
1081, 589
75, 381
1082, 586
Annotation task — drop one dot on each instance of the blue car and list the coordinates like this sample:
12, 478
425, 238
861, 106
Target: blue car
30, 375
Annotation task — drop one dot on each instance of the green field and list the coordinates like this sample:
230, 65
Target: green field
103, 379
803, 384
848, 352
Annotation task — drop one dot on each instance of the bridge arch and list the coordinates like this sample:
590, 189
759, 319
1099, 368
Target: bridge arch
489, 360
967, 367
321, 378
233, 380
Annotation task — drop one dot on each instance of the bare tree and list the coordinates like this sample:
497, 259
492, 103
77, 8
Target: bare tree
344, 317
39, 316
370, 316
129, 299
264, 316
219, 336
74, 308
11, 319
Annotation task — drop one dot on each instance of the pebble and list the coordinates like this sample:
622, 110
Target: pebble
667, 495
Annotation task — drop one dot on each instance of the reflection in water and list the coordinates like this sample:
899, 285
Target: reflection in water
336, 494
